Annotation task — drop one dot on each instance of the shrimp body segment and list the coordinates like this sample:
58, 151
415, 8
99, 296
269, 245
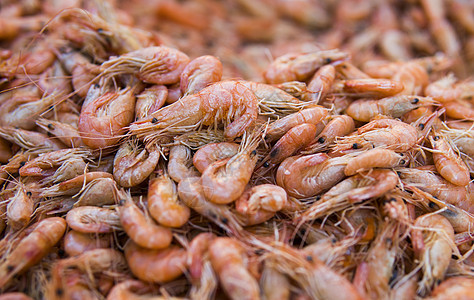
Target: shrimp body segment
375, 158
210, 153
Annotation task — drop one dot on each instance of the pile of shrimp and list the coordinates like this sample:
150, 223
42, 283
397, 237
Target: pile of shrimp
339, 169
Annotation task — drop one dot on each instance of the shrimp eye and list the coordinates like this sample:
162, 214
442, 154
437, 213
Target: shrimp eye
309, 258
154, 120
388, 241
100, 30
402, 162
328, 60
436, 137
266, 164
455, 257
225, 220
334, 240
121, 202
22, 163
50, 126
29, 194
10, 268
61, 253
318, 197
321, 140
59, 292
258, 251
355, 146
415, 101
432, 204
393, 200
254, 152
96, 86
422, 126
213, 215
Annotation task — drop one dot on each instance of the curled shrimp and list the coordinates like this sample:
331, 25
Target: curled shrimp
135, 290
150, 100
374, 158
229, 260
309, 175
153, 265
156, 65
98, 192
222, 101
198, 253
83, 72
140, 228
30, 140
32, 248
337, 127
447, 162
92, 219
352, 190
460, 109
446, 89
104, 119
133, 164
199, 73
66, 133
453, 288
397, 106
312, 115
432, 238
387, 133
76, 243
180, 163
299, 67
320, 85
413, 77
213, 152
163, 203
274, 284
20, 208
74, 185
260, 203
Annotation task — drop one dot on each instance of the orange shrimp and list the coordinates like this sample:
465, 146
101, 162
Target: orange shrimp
459, 109
92, 219
444, 89
76, 243
371, 87
337, 127
320, 85
348, 71
309, 175
163, 203
30, 140
397, 106
15, 296
199, 73
198, 252
74, 185
141, 229
300, 66
66, 133
374, 158
213, 152
180, 163
447, 162
104, 119
229, 260
274, 284
156, 65
221, 101
32, 248
153, 265
312, 115
412, 77
20, 208
453, 288
83, 72
150, 100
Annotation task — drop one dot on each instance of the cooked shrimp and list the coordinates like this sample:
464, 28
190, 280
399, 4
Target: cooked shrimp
309, 175
339, 126
222, 101
300, 66
447, 162
397, 106
140, 228
460, 109
373, 87
15, 296
260, 203
374, 158
135, 290
274, 284
153, 265
92, 219
432, 238
198, 253
32, 248
445, 89
20, 208
180, 163
30, 140
74, 185
66, 133
199, 73
156, 65
163, 203
453, 288
150, 100
213, 152
83, 72
312, 115
320, 85
104, 119
98, 192
230, 262
133, 164
412, 77
76, 243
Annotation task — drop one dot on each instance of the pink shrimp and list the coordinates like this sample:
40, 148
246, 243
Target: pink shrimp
213, 152
76, 243
150, 100
372, 87
180, 163
92, 219
199, 73
375, 158
337, 127
320, 84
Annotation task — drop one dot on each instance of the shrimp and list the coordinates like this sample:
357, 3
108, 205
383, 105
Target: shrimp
66, 133
15, 296
198, 254
104, 119
153, 265
150, 101
412, 77
83, 72
309, 175
30, 140
371, 87
180, 163
395, 45
199, 73
230, 262
352, 190
135, 290
432, 238
98, 192
397, 106
387, 133
274, 284
163, 203
74, 185
140, 228
320, 85
133, 164
32, 248
213, 152
156, 65
348, 71
312, 115
337, 127
447, 162
300, 66
5, 151
374, 158
92, 219
190, 191
445, 89
20, 208
76, 243
459, 109
453, 288
221, 101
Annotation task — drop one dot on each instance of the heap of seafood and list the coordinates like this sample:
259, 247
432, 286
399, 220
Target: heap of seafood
162, 153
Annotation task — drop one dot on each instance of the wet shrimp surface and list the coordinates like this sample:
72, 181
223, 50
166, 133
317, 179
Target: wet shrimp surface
306, 149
